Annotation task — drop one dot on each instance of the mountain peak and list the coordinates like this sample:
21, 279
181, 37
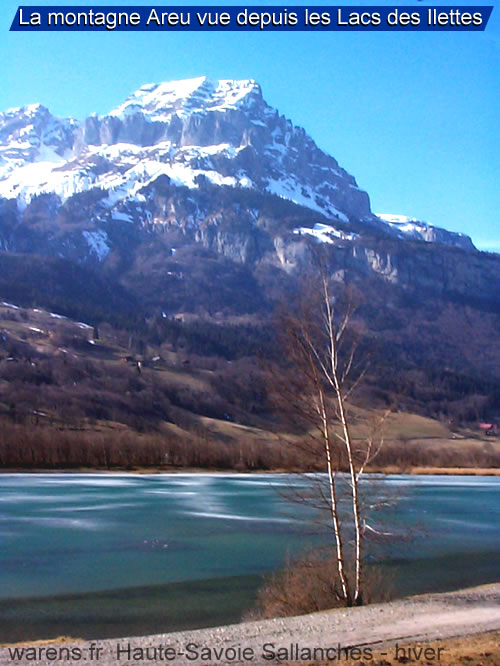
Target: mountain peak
220, 129
192, 131
27, 111
159, 101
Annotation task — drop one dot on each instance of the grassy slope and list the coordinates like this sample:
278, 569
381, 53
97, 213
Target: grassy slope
479, 650
412, 441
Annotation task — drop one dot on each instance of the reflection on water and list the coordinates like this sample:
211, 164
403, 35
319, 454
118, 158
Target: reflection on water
148, 537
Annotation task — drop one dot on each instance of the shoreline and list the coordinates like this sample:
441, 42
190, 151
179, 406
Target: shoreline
386, 471
378, 628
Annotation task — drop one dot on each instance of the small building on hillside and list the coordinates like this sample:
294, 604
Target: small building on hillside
489, 428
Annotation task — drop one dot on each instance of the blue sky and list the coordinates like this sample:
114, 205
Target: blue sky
413, 116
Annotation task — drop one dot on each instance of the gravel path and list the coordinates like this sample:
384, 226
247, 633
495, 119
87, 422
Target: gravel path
292, 640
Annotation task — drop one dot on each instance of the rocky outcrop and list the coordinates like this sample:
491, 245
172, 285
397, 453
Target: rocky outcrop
32, 134
189, 132
211, 164
411, 228
223, 130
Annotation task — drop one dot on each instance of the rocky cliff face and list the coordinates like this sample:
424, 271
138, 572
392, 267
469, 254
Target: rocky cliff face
411, 228
32, 134
209, 164
221, 130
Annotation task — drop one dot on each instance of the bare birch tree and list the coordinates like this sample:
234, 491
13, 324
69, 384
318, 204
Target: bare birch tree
320, 347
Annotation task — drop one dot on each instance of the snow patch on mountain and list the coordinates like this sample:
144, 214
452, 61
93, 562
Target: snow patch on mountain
412, 228
186, 97
325, 233
29, 180
222, 130
31, 133
402, 222
97, 242
289, 188
122, 217
129, 169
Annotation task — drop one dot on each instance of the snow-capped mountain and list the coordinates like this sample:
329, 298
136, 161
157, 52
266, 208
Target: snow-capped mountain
185, 215
32, 134
193, 131
411, 228
192, 193
222, 130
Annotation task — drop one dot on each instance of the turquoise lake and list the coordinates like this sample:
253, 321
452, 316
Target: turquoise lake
95, 555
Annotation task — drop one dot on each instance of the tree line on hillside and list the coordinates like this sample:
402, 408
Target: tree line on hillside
42, 447
31, 446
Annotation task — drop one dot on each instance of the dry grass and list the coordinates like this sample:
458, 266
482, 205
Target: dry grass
311, 584
401, 425
480, 650
182, 402
446, 471
46, 641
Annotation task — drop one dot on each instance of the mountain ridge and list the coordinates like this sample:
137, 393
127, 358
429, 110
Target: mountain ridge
183, 217
187, 130
185, 177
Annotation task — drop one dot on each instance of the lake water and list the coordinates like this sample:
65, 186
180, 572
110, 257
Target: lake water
94, 555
